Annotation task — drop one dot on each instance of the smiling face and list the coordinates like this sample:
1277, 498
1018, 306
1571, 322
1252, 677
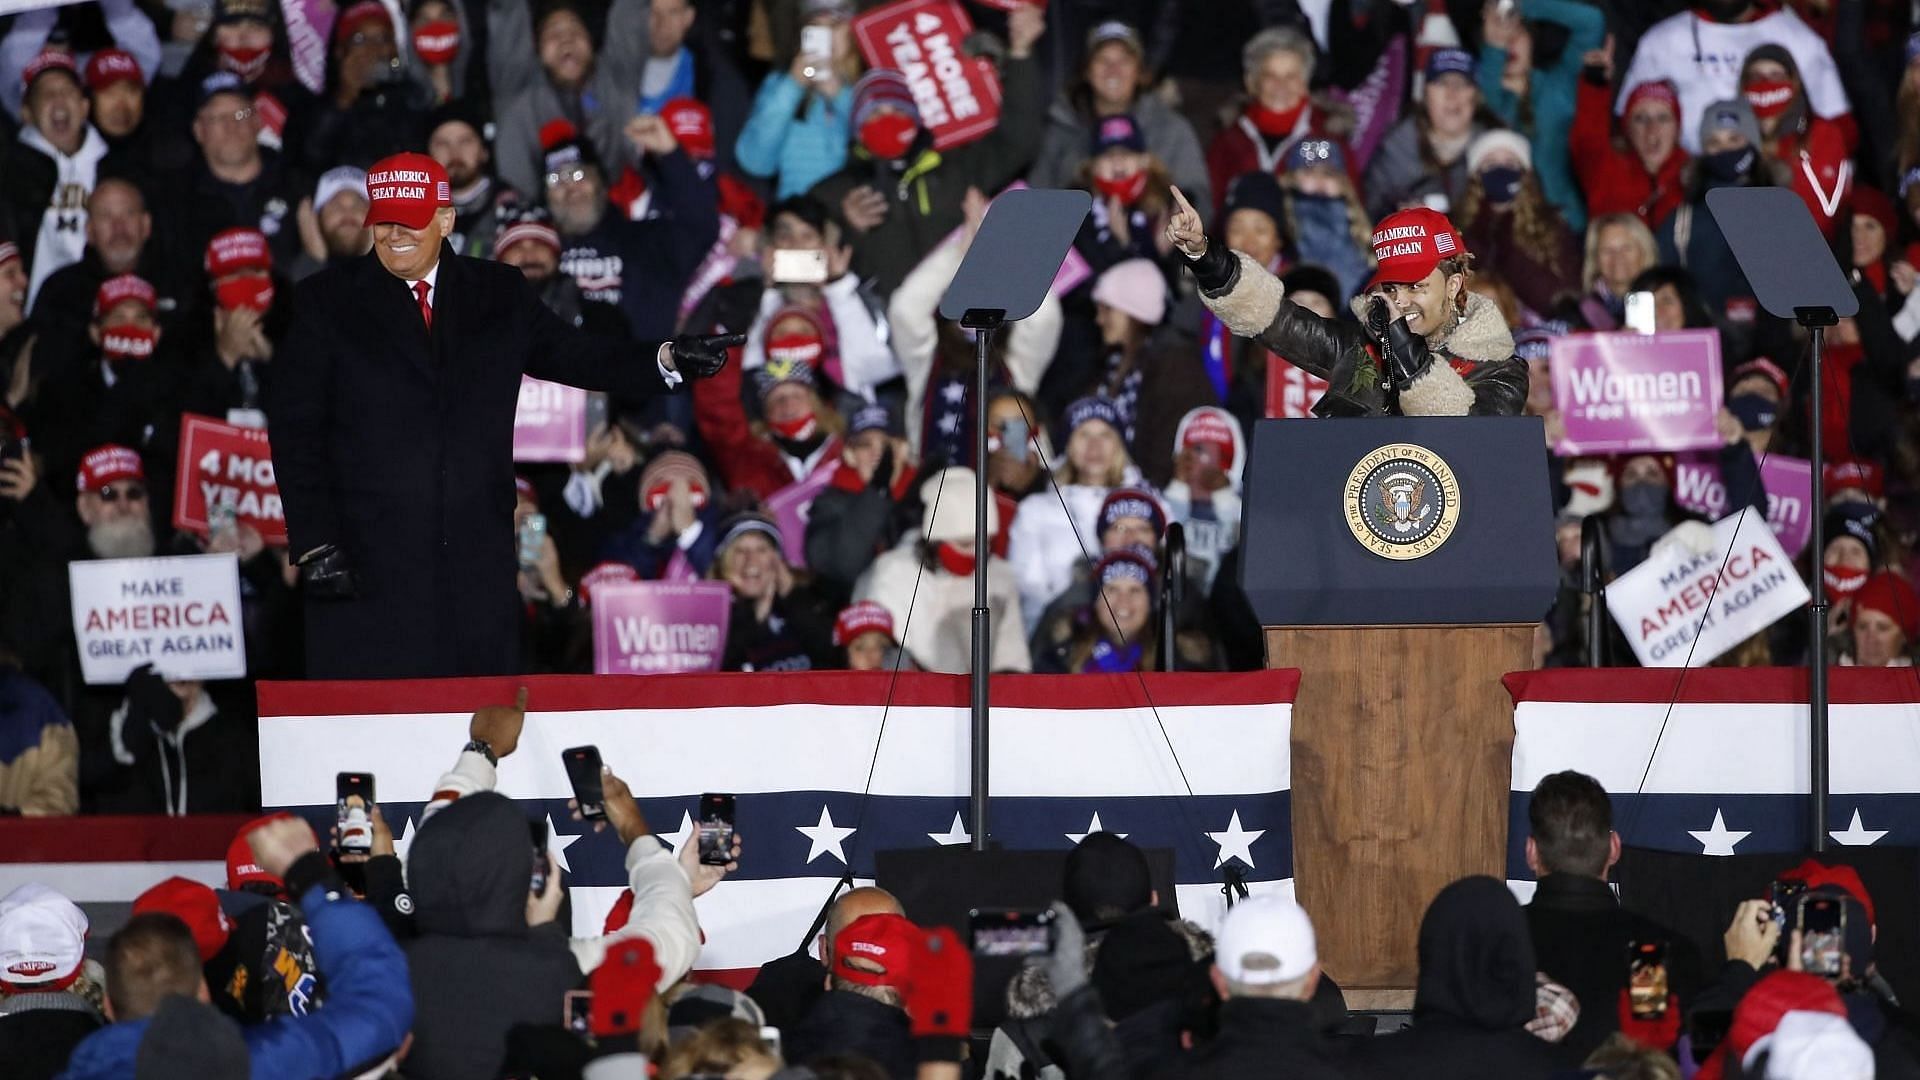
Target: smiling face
409, 253
1620, 257
1280, 82
576, 196
1428, 304
752, 566
1869, 240
1094, 451
1877, 639
1113, 71
1124, 609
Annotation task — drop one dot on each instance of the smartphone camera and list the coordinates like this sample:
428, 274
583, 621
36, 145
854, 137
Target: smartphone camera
537, 833
716, 829
1647, 979
1010, 933
576, 1011
353, 813
1822, 924
583, 774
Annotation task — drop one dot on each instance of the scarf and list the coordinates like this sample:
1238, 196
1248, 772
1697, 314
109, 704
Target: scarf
1326, 237
63, 228
1106, 659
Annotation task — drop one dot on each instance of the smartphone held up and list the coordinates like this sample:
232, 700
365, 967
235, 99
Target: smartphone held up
353, 813
716, 829
583, 775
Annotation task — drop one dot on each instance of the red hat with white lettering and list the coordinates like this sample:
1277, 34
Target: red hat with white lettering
862, 618
109, 66
362, 12
603, 575
243, 873
406, 189
118, 290
1861, 476
882, 943
49, 60
1409, 244
105, 464
232, 250
692, 124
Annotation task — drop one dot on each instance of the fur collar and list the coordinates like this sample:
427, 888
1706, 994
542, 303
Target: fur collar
1482, 335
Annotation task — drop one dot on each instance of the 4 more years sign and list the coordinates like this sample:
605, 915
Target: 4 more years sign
226, 470
180, 613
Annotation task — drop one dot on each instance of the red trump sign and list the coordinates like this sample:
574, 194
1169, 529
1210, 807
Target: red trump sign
958, 95
223, 465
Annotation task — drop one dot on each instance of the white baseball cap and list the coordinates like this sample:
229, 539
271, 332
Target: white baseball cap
1265, 940
43, 937
1814, 1046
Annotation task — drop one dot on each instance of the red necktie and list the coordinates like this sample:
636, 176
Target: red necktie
420, 289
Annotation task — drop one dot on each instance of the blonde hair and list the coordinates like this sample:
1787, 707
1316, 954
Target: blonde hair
717, 1049
1642, 236
1065, 473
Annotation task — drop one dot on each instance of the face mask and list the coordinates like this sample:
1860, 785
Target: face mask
128, 342
245, 61
1728, 165
1843, 581
796, 430
888, 135
1274, 123
1643, 499
1756, 412
437, 42
1501, 183
1770, 98
957, 563
1127, 189
247, 292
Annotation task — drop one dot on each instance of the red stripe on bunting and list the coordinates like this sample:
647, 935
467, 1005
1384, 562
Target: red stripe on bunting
1713, 686
571, 693
113, 838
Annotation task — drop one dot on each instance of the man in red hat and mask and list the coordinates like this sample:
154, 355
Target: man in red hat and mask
392, 418
1424, 346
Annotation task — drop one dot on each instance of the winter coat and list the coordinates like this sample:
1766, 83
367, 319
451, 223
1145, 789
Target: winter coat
1475, 371
1691, 238
39, 753
1047, 541
1240, 148
860, 362
1611, 173
527, 99
139, 408
1262, 1037
1819, 159
851, 523
925, 187
391, 441
634, 545
1551, 96
843, 1022
1542, 288
1580, 939
366, 1019
745, 460
1702, 58
935, 609
195, 204
39, 1031
797, 634
1474, 996
1399, 174
795, 148
205, 765
642, 266
1068, 143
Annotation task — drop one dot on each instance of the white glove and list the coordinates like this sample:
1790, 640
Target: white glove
1693, 537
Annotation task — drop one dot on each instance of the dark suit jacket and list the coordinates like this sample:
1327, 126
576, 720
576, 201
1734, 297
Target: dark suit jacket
396, 445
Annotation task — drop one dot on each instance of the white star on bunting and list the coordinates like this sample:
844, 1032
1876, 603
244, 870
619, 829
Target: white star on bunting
1718, 840
1092, 827
1856, 834
956, 835
557, 844
679, 836
1236, 842
826, 837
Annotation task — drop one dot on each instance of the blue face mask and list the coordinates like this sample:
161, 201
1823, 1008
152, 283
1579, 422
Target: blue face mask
1756, 412
1643, 499
1728, 166
1501, 183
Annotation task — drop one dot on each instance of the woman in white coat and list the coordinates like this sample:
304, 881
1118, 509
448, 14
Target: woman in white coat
1053, 532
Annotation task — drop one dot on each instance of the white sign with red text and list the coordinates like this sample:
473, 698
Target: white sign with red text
180, 613
1682, 609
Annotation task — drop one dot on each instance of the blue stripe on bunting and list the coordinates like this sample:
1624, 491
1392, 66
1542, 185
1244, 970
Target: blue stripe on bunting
1773, 823
769, 826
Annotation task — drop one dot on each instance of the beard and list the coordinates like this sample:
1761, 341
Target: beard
121, 538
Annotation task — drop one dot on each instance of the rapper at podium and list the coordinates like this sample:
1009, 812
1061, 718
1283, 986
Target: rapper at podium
1424, 344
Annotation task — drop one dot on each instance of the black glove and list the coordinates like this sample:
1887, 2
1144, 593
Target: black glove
150, 701
703, 357
1404, 352
1214, 271
882, 479
326, 574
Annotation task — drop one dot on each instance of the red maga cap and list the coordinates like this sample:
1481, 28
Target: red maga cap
194, 904
118, 290
406, 189
880, 941
233, 250
49, 60
1409, 244
109, 66
105, 464
692, 124
862, 618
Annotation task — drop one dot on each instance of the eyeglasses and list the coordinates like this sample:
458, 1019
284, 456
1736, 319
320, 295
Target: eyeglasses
237, 116
132, 493
571, 176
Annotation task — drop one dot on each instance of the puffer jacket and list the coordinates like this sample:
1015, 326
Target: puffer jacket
1480, 375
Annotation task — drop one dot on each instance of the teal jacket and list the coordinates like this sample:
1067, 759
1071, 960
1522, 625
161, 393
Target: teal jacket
1551, 95
799, 148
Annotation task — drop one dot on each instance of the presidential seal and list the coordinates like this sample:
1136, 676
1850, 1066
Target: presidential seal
1401, 501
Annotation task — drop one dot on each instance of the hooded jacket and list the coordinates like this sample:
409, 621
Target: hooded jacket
1475, 371
1474, 996
477, 968
843, 1022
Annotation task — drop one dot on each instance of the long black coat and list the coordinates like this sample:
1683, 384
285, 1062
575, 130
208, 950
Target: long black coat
396, 445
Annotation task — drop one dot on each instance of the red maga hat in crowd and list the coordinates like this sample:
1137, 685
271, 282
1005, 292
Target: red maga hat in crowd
1409, 244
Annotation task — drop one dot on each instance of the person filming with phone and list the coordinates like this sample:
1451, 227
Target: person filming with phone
392, 416
1425, 345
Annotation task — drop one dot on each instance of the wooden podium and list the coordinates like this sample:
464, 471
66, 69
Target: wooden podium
1401, 564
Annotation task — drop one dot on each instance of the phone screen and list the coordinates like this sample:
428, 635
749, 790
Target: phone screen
353, 812
1647, 979
583, 774
1010, 933
1639, 315
576, 1011
537, 833
533, 535
817, 42
716, 829
1823, 936
799, 266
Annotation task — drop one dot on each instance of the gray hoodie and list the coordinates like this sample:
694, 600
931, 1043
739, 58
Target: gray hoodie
1069, 140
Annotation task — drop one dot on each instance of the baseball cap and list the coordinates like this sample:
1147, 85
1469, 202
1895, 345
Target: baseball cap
105, 464
43, 939
1450, 62
1119, 130
109, 66
48, 60
882, 941
1409, 244
1862, 476
1265, 941
121, 288
870, 418
692, 124
337, 180
1771, 999
863, 617
237, 249
602, 575
194, 904
406, 190
242, 871
222, 82
1210, 425
1115, 30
